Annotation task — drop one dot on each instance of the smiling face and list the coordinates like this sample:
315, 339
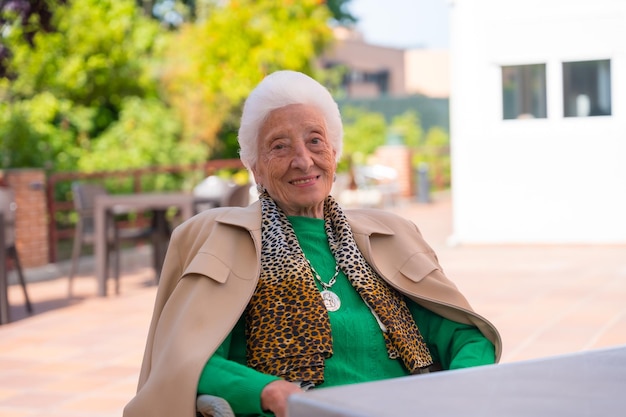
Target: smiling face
296, 162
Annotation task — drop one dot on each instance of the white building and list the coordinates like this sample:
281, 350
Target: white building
538, 121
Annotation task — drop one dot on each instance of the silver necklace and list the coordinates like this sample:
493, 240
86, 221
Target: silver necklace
331, 300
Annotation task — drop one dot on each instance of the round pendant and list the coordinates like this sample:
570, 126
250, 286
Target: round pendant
331, 300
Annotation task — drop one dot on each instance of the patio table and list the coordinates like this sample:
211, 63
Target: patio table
584, 384
155, 202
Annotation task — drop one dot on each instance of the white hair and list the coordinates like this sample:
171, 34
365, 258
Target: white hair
280, 89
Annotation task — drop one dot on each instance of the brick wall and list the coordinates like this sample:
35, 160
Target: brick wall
31, 216
399, 158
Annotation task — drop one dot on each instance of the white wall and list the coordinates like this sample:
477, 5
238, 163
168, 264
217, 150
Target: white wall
553, 180
427, 72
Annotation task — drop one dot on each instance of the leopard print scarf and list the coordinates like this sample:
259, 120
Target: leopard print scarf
287, 326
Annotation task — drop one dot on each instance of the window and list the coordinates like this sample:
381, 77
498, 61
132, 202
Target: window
379, 79
524, 91
587, 88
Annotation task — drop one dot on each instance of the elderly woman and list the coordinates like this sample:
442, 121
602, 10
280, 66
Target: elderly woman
293, 292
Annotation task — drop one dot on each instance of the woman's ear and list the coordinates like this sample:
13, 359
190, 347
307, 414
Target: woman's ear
254, 174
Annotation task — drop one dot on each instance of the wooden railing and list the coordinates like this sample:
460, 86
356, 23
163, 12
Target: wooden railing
59, 199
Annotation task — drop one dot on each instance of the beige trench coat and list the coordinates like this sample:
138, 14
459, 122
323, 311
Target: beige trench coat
211, 270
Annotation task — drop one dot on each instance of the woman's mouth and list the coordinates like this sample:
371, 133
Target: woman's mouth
302, 181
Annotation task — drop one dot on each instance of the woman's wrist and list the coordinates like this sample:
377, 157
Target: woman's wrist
275, 394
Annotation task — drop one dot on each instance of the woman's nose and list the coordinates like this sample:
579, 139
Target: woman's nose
301, 157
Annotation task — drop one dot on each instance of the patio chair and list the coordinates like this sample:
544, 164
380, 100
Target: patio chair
211, 406
84, 195
237, 196
214, 191
7, 208
210, 193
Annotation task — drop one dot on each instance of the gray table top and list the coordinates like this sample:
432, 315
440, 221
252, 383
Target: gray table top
585, 384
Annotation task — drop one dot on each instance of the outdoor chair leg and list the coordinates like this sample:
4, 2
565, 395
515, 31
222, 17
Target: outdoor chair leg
20, 275
156, 256
76, 249
107, 261
116, 265
160, 239
117, 270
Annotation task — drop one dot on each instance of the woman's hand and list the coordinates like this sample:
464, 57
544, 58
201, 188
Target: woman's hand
274, 396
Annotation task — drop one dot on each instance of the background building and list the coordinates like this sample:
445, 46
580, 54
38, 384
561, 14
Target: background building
538, 120
390, 80
376, 71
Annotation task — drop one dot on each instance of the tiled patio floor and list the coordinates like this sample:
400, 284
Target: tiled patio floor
81, 357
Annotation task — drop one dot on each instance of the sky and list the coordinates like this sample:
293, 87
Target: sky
403, 23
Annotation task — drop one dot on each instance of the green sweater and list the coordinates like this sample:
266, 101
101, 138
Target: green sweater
358, 344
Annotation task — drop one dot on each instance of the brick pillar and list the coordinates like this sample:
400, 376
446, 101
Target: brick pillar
398, 157
31, 216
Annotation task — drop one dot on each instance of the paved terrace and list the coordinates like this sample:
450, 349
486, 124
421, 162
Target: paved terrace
81, 357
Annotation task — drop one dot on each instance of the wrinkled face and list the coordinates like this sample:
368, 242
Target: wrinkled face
296, 162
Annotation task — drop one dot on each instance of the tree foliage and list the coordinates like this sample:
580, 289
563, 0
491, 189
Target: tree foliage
83, 82
434, 152
364, 132
212, 65
110, 84
22, 12
172, 13
91, 56
408, 127
340, 12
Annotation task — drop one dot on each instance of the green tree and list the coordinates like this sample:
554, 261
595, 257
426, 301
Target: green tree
90, 58
432, 148
408, 126
434, 151
213, 64
33, 135
81, 83
364, 132
172, 13
340, 12
22, 12
80, 78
